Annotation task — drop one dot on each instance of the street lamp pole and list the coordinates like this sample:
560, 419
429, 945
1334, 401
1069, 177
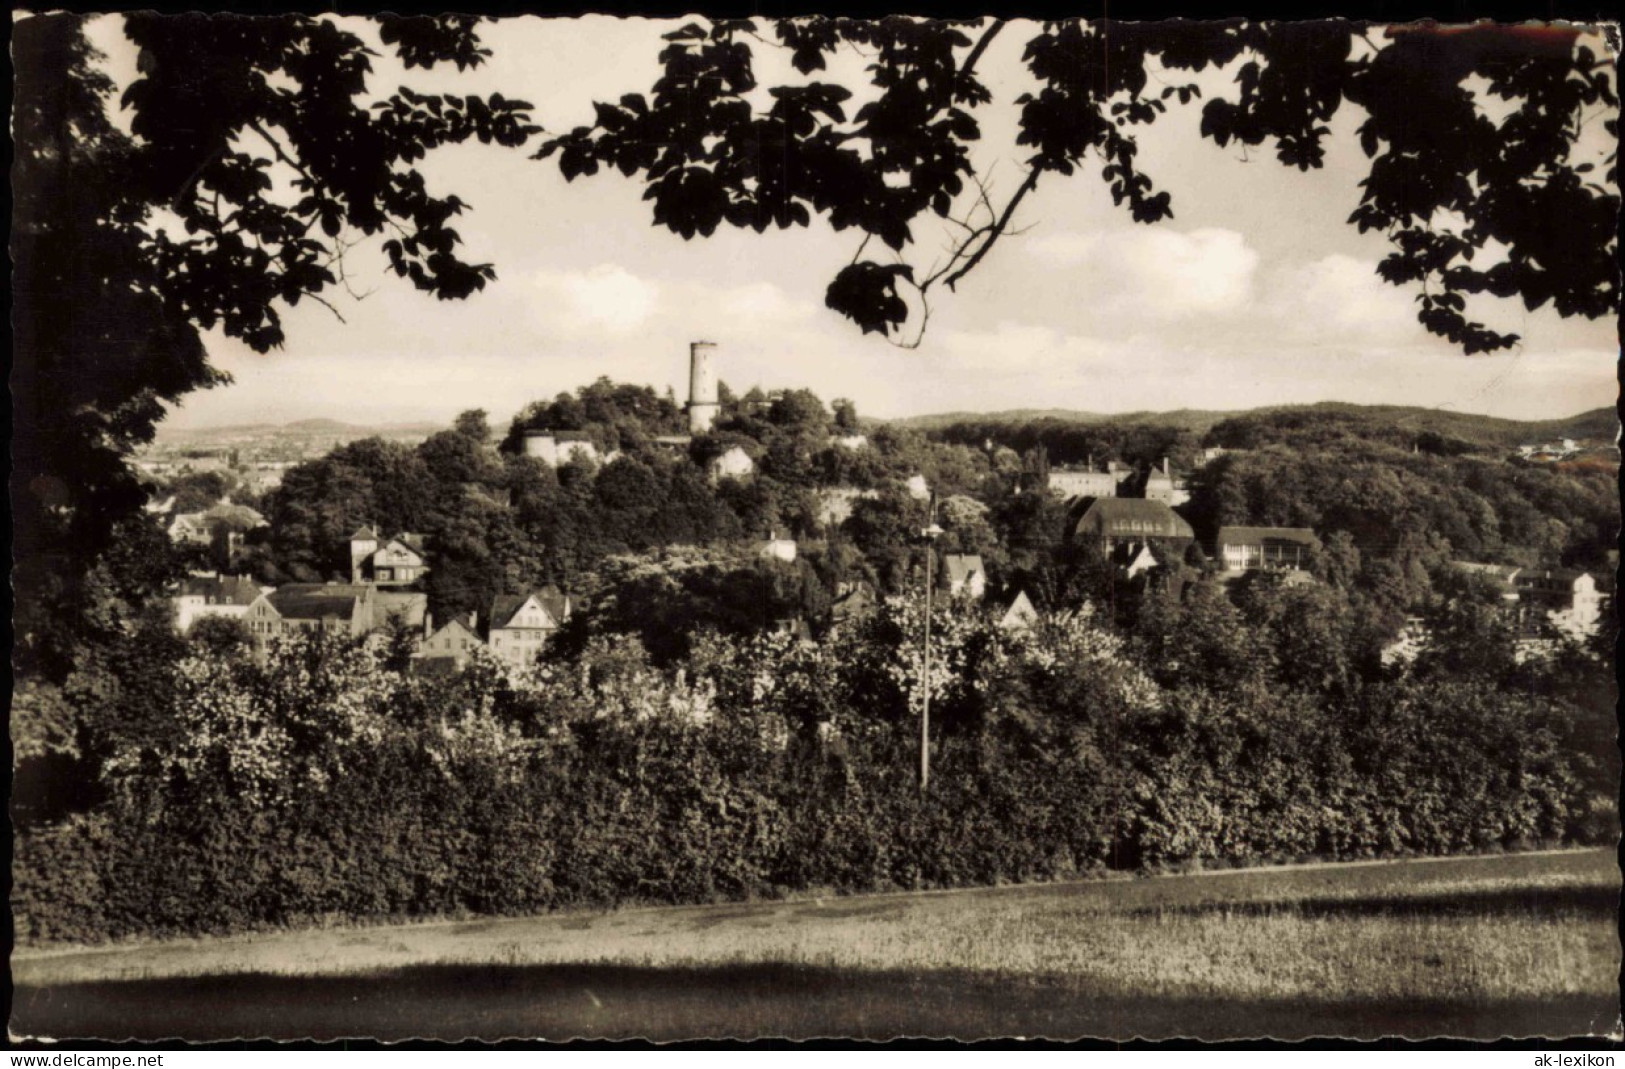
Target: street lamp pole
929, 534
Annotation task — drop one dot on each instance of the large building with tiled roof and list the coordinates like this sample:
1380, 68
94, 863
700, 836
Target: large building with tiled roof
333, 608
214, 595
1131, 521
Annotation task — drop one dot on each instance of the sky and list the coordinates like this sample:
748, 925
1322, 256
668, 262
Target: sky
1255, 293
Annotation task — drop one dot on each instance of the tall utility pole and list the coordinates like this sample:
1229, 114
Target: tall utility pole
929, 535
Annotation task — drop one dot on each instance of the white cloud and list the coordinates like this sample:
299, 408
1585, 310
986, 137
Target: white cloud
605, 298
1341, 299
1158, 272
1014, 348
760, 303
1063, 248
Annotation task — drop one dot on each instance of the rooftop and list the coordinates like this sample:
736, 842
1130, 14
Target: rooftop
1111, 516
504, 606
224, 589
317, 601
1258, 535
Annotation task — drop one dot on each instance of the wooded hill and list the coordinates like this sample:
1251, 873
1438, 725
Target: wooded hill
1070, 436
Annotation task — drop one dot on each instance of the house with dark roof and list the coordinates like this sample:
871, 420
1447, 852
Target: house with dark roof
1131, 522
449, 648
964, 574
200, 527
520, 624
222, 525
331, 608
853, 600
396, 561
214, 595
1242, 549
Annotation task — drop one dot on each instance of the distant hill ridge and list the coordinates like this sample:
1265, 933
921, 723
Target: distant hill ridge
318, 428
1597, 423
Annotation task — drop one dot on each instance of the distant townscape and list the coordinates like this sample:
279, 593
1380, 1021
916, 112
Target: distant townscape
819, 471
631, 648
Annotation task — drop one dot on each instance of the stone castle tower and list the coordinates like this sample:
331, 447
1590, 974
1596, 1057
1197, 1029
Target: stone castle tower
702, 386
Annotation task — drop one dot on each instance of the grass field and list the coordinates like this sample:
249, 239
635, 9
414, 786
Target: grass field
1517, 945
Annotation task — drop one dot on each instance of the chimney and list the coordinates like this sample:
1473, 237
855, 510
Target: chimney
1165, 470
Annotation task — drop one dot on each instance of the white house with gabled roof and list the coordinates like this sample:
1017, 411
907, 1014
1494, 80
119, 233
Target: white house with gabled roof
520, 624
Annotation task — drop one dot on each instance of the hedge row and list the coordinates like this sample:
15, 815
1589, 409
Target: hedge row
662, 812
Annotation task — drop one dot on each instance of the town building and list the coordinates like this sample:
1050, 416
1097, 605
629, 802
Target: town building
188, 527
1568, 601
1408, 645
1130, 522
776, 548
1082, 482
853, 600
222, 526
332, 608
1547, 452
1160, 486
397, 561
557, 448
1019, 615
214, 595
520, 624
1241, 549
1138, 560
1497, 577
732, 463
964, 574
1542, 604
201, 527
449, 648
